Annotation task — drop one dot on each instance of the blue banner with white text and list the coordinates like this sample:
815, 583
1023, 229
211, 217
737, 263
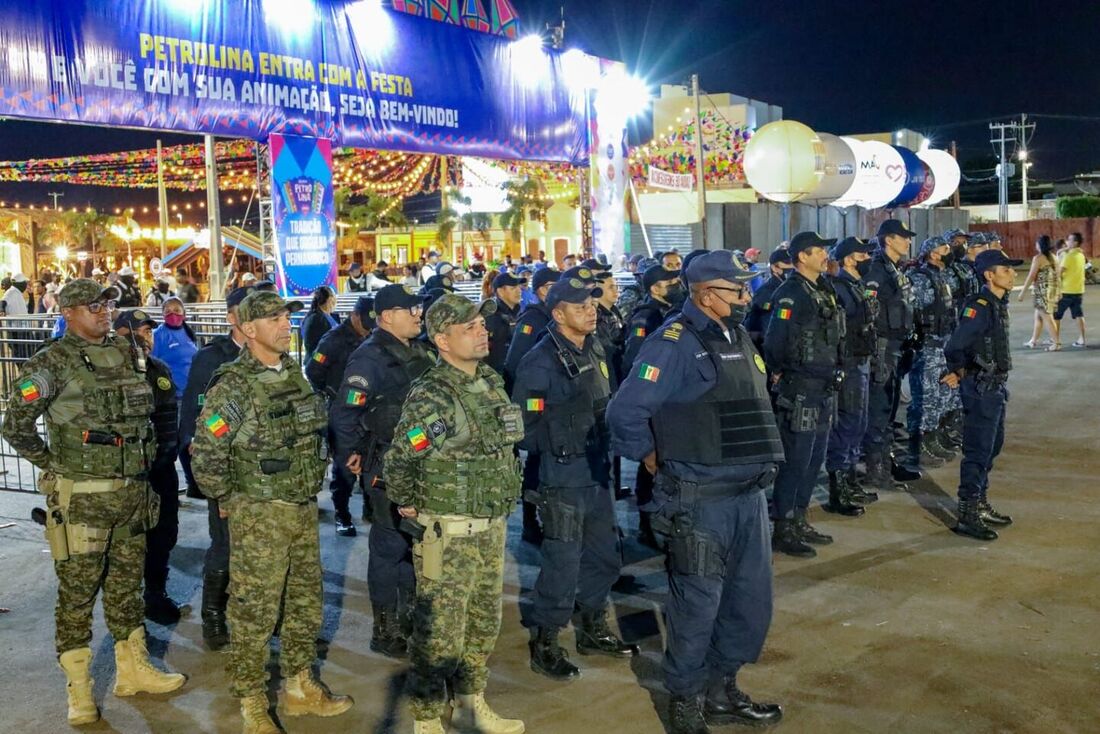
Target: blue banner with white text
304, 211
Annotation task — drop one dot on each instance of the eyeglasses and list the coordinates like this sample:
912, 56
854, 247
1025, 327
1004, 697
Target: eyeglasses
98, 306
415, 310
735, 291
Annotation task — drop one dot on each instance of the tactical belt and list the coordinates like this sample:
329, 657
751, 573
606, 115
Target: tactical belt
90, 486
690, 491
455, 526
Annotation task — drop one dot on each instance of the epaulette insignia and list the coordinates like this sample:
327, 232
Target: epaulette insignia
983, 302
673, 331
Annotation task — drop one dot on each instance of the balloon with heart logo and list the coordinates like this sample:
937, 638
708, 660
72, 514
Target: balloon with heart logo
913, 173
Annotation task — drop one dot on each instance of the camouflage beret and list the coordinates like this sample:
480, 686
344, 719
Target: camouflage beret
82, 291
261, 304
450, 309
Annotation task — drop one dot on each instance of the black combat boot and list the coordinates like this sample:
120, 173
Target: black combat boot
685, 716
344, 526
160, 608
899, 472
807, 532
938, 445
386, 636
594, 637
728, 704
549, 658
841, 500
215, 585
786, 539
878, 474
970, 522
920, 452
990, 515
860, 493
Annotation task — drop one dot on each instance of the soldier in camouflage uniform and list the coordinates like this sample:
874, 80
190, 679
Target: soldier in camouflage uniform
451, 467
934, 312
97, 405
260, 452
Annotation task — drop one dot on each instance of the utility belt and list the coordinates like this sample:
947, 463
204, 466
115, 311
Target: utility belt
67, 539
686, 493
432, 534
986, 380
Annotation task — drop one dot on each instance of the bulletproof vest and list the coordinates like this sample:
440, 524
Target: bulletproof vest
938, 318
384, 410
817, 345
651, 310
859, 337
473, 471
112, 436
968, 281
733, 422
577, 426
894, 293
993, 352
286, 456
609, 325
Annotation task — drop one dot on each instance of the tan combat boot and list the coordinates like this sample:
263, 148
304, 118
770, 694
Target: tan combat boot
135, 674
82, 708
472, 714
255, 716
304, 695
428, 726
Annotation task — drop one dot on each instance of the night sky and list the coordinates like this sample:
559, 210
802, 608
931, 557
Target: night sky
942, 68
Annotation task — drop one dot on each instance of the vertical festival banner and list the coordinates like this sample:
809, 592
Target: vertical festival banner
304, 213
607, 140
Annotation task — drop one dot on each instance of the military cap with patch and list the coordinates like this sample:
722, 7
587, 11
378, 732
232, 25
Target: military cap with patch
930, 244
571, 290
396, 295
82, 291
579, 271
451, 308
502, 280
594, 264
263, 304
717, 265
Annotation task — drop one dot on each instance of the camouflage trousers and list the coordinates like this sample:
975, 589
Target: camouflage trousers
456, 620
931, 399
274, 550
117, 570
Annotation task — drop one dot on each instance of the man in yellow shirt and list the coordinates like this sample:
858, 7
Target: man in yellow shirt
1072, 268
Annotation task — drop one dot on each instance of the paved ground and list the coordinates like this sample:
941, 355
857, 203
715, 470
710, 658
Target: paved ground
900, 626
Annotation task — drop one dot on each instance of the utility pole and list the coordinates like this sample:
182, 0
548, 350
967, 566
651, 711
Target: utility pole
1000, 134
955, 155
1025, 137
55, 196
699, 160
162, 202
216, 277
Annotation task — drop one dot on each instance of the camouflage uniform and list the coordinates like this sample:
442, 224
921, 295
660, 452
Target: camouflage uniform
97, 408
452, 460
935, 316
260, 452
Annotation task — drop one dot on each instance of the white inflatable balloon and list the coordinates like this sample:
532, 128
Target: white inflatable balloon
784, 161
946, 170
840, 170
884, 174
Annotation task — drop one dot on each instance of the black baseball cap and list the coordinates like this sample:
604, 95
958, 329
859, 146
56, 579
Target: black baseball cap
594, 264
543, 276
506, 279
656, 274
992, 258
237, 295
132, 318
364, 306
849, 246
571, 290
396, 295
580, 271
806, 240
780, 255
894, 226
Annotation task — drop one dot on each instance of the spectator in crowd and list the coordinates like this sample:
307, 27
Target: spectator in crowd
477, 267
428, 270
188, 291
1072, 271
49, 300
174, 343
99, 276
160, 293
15, 302
1047, 291
357, 279
411, 279
129, 293
319, 320
569, 261
37, 303
671, 260
377, 278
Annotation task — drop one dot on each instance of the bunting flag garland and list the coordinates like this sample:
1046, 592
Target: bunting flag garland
674, 152
501, 19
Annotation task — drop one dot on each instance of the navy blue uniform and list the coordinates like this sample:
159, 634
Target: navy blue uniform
161, 539
893, 325
325, 372
846, 437
610, 331
646, 319
802, 347
760, 310
363, 417
979, 348
500, 324
689, 381
530, 327
565, 427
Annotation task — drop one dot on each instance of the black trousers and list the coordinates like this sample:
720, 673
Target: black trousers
161, 539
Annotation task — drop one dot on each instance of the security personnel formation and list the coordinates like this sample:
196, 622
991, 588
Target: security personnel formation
445, 413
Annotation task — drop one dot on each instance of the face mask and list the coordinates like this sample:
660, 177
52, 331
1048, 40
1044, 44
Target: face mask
960, 252
948, 259
863, 268
173, 320
162, 287
676, 295
737, 315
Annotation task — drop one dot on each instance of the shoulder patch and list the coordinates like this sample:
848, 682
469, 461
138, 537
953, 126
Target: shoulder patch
358, 381
649, 373
872, 284
164, 383
638, 331
218, 426
759, 362
789, 301
767, 306
603, 370
673, 331
418, 439
357, 398
233, 411
535, 403
319, 357
784, 314
526, 329
35, 387
437, 427
969, 312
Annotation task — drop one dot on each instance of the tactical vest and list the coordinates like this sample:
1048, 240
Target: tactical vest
994, 357
287, 456
938, 318
576, 426
112, 437
817, 345
859, 338
968, 281
895, 297
487, 426
733, 422
384, 410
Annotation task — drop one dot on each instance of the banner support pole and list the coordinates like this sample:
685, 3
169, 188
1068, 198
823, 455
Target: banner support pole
214, 223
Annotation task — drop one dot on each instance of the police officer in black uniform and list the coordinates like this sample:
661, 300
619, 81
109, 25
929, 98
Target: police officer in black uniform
694, 408
215, 569
760, 310
529, 329
979, 360
802, 350
137, 326
663, 290
325, 372
893, 326
853, 256
501, 324
563, 387
363, 416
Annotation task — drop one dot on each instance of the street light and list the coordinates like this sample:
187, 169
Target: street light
1023, 154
